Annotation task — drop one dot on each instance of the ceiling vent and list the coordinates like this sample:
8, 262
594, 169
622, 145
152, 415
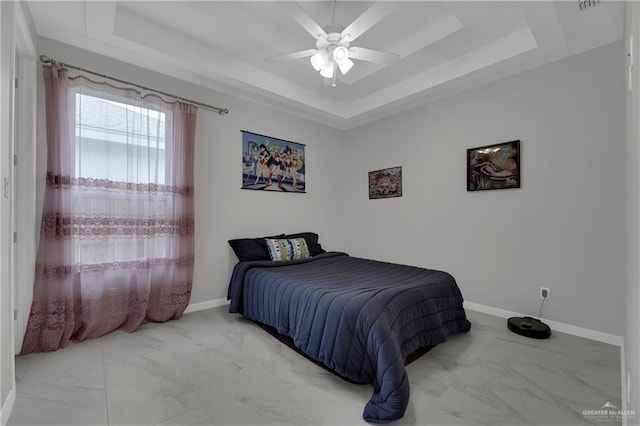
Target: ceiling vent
587, 4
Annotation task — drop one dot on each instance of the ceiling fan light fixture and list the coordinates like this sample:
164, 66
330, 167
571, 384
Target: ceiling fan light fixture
340, 54
333, 42
327, 70
345, 66
317, 61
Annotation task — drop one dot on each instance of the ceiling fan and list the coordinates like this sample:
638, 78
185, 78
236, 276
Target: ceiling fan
333, 42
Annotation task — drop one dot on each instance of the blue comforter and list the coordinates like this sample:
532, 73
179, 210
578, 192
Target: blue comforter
358, 317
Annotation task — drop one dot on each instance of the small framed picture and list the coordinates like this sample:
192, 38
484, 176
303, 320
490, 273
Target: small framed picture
385, 183
494, 166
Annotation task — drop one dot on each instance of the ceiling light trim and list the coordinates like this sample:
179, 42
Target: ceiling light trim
505, 48
146, 36
439, 30
558, 29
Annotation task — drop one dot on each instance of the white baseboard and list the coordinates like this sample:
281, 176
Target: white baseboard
7, 407
623, 385
599, 336
214, 303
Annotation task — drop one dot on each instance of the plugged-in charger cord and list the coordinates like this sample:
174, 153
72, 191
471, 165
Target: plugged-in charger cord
540, 308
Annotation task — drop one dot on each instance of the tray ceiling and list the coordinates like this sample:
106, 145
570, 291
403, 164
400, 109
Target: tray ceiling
445, 47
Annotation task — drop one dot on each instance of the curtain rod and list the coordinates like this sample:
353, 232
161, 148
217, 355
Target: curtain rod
46, 60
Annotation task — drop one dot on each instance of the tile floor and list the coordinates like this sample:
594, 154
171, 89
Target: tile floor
215, 368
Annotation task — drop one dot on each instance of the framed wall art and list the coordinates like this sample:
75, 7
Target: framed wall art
494, 166
272, 164
385, 183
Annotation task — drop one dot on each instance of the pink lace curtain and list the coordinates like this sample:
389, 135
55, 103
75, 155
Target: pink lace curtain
116, 244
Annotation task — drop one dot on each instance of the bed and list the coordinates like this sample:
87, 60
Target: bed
360, 318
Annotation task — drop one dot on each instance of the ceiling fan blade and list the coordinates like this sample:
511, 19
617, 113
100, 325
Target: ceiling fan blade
371, 55
291, 56
303, 18
368, 19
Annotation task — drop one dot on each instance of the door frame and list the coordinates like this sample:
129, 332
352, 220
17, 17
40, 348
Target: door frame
23, 187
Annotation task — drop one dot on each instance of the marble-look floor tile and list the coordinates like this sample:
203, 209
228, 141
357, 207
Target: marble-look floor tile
423, 410
517, 384
472, 407
195, 417
476, 399
327, 399
78, 399
481, 320
193, 355
312, 387
215, 368
147, 390
570, 345
433, 375
575, 383
188, 330
588, 373
120, 345
21, 363
465, 347
220, 374
281, 363
77, 357
259, 403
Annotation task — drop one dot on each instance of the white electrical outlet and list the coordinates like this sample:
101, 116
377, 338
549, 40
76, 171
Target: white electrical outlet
545, 293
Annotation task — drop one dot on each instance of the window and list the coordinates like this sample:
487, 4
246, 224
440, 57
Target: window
121, 203
117, 237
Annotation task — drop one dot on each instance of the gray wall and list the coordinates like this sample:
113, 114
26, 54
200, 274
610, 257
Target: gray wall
564, 229
632, 293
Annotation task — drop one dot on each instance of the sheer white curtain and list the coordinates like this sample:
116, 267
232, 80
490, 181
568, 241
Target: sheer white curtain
116, 245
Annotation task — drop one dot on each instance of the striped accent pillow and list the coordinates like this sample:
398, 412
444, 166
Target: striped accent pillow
293, 249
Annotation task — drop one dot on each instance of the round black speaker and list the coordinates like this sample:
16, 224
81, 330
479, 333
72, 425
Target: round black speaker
529, 327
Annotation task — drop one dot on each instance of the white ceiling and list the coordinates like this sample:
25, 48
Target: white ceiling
445, 47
